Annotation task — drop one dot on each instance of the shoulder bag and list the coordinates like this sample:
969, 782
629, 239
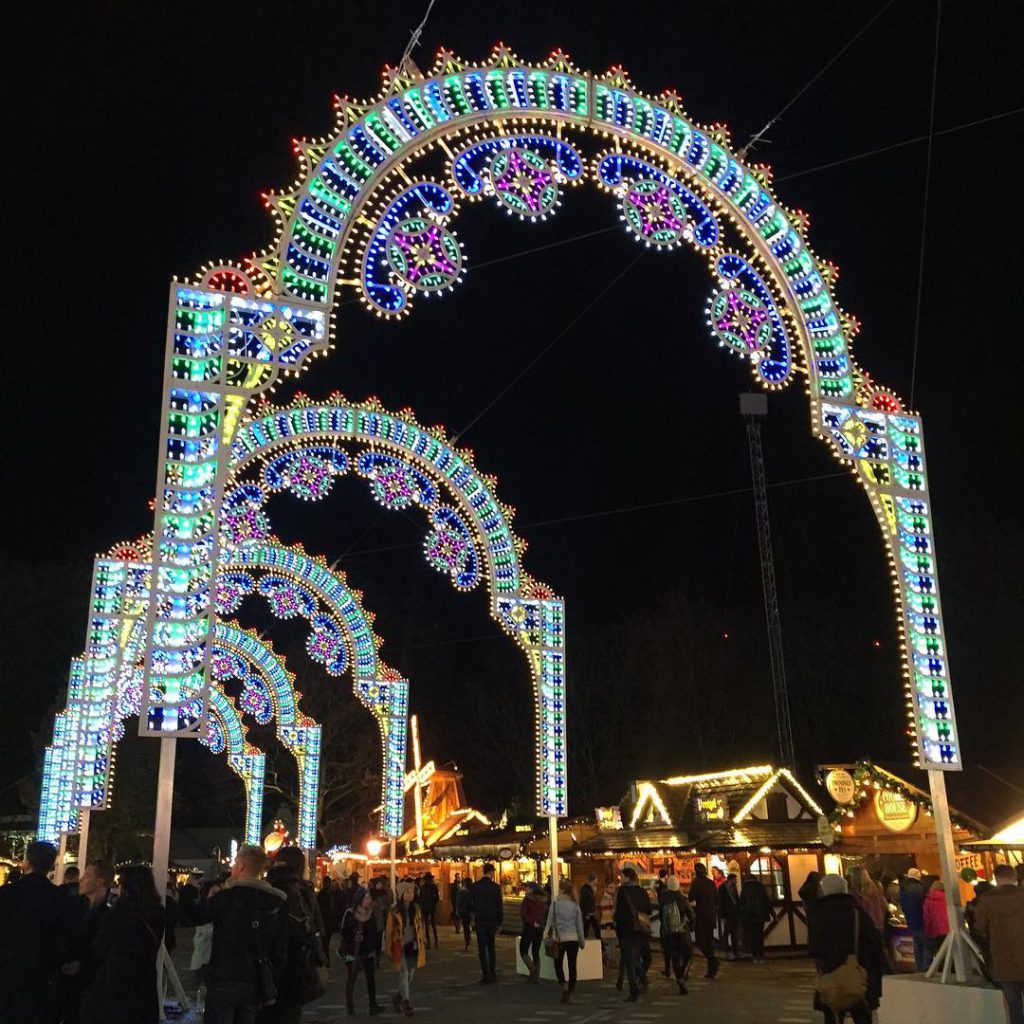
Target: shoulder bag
845, 987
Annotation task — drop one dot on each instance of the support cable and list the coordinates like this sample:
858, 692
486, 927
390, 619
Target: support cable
758, 136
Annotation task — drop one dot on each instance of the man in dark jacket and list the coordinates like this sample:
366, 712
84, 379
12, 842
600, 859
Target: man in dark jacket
76, 975
912, 902
704, 897
830, 941
488, 912
632, 926
729, 912
588, 906
464, 909
36, 922
999, 919
430, 897
755, 910
250, 941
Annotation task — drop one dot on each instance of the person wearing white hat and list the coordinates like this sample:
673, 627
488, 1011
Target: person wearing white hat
837, 928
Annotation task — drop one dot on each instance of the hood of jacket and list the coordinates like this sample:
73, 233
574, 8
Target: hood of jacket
256, 892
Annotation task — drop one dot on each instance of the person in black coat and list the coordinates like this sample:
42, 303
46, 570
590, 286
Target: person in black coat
430, 897
123, 956
250, 940
830, 942
488, 911
300, 981
632, 927
704, 897
729, 912
36, 926
755, 910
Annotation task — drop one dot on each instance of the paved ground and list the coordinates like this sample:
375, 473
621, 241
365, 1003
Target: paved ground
446, 992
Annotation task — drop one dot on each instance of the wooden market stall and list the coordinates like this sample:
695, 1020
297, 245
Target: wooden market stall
759, 820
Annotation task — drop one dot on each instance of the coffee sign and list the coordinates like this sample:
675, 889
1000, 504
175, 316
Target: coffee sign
894, 810
840, 785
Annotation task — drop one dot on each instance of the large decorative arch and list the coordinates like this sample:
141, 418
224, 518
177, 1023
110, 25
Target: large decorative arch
369, 211
268, 694
470, 537
78, 770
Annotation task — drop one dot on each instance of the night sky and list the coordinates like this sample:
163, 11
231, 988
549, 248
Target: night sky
144, 138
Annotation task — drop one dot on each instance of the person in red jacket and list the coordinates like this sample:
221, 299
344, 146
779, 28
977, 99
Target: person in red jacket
534, 912
936, 920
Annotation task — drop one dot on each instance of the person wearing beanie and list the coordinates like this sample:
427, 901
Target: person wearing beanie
831, 930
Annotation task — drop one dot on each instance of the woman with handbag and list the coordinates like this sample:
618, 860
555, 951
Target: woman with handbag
564, 935
847, 950
406, 943
304, 977
359, 941
534, 912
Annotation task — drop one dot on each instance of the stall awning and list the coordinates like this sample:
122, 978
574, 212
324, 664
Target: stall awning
626, 840
1009, 837
779, 835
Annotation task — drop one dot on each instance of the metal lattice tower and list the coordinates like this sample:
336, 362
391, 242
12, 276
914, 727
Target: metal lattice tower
753, 408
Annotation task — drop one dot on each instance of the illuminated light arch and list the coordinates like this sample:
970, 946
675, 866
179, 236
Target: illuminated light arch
470, 536
341, 638
366, 213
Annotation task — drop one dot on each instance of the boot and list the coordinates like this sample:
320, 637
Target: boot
529, 966
407, 1008
535, 971
682, 987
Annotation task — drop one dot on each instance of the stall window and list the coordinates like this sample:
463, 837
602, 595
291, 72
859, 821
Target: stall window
768, 871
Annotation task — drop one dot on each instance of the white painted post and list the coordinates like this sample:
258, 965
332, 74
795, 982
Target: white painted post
553, 836
83, 839
164, 804
956, 945
394, 868
58, 867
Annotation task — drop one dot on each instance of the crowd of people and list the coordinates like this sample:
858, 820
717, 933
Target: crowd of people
86, 952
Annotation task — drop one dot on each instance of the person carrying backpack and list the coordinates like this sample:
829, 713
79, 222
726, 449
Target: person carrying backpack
677, 921
304, 975
250, 941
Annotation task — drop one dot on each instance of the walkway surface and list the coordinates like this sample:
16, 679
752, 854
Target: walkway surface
446, 991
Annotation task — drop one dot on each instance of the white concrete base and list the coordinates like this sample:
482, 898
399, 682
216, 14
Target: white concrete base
914, 999
588, 964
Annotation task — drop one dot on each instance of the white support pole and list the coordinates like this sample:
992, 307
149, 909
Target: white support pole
164, 804
956, 947
58, 867
84, 817
553, 836
394, 868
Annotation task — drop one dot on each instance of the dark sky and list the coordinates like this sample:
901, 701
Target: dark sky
144, 137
